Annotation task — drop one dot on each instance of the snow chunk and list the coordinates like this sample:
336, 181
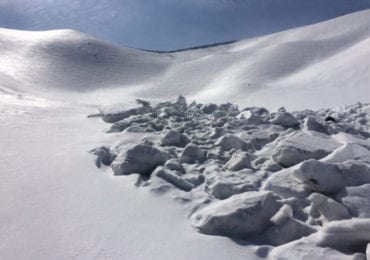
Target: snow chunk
240, 160
357, 200
119, 126
284, 213
345, 235
104, 156
135, 129
286, 228
172, 178
328, 208
285, 119
192, 154
175, 165
331, 178
217, 132
142, 159
348, 151
311, 124
175, 138
112, 117
307, 250
285, 185
300, 146
181, 102
221, 189
271, 165
240, 216
229, 142
209, 108
225, 184
349, 138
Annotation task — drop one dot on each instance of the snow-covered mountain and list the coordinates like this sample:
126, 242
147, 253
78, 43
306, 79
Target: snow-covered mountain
298, 174
325, 64
172, 24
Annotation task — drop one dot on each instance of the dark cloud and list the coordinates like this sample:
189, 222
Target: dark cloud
171, 24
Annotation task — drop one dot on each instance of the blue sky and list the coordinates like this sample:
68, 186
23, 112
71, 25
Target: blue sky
171, 24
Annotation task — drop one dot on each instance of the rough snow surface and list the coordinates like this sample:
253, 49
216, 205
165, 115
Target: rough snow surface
298, 185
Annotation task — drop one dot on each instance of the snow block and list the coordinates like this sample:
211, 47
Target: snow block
285, 185
357, 200
209, 108
286, 228
240, 160
172, 178
142, 159
117, 116
306, 250
331, 178
346, 235
217, 132
310, 123
348, 151
271, 165
175, 138
299, 146
229, 142
119, 126
285, 119
192, 154
175, 165
328, 208
104, 156
181, 102
240, 216
222, 189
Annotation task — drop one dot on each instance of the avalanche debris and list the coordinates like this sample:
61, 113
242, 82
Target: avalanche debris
278, 178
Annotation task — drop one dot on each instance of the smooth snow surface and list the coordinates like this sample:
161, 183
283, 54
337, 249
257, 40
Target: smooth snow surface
322, 65
55, 204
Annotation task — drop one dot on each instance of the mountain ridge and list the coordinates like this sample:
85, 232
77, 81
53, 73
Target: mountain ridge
291, 64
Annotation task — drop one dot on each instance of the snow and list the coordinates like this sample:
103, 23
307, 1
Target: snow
240, 216
57, 204
142, 158
321, 65
328, 208
345, 234
298, 146
240, 160
175, 138
348, 151
357, 200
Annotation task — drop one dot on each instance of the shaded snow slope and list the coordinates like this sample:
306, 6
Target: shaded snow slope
67, 59
320, 65
169, 25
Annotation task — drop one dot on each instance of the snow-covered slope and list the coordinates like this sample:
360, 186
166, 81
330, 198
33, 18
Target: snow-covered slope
169, 25
67, 59
324, 64
318, 65
55, 204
